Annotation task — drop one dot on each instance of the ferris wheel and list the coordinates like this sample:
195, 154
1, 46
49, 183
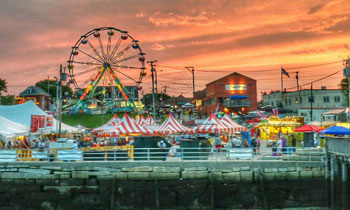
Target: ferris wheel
105, 58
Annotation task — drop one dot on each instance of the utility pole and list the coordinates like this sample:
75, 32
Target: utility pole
297, 77
191, 69
156, 85
346, 73
153, 95
62, 77
48, 84
312, 101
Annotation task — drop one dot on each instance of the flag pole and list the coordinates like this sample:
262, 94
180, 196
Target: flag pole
281, 81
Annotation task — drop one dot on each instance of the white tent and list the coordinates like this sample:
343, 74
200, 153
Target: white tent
22, 114
64, 128
9, 129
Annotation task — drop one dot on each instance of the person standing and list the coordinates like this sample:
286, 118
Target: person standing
254, 144
294, 143
279, 146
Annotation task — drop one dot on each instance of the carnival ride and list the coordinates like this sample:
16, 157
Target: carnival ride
105, 58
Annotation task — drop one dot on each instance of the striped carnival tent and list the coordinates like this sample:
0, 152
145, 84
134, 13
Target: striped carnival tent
141, 121
232, 125
109, 125
172, 126
150, 121
212, 125
127, 126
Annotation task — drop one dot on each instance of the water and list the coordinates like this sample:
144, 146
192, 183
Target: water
178, 194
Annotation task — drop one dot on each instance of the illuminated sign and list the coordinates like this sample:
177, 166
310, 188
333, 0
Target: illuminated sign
236, 87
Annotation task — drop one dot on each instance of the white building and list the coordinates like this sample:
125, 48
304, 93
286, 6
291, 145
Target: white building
301, 103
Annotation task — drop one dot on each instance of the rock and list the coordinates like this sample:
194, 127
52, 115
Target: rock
62, 172
138, 169
56, 168
8, 169
166, 169
196, 169
11, 175
270, 170
306, 174
280, 176
283, 169
216, 176
318, 174
269, 177
80, 174
236, 169
234, 176
34, 171
165, 176
247, 176
293, 175
139, 175
194, 174
121, 175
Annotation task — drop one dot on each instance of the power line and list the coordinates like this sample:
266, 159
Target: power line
316, 80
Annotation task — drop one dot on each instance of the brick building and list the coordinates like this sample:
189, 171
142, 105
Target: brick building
215, 97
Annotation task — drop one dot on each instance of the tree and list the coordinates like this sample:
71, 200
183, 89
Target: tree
147, 98
7, 100
344, 85
3, 86
51, 85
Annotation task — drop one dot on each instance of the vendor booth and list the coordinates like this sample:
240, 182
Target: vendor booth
274, 127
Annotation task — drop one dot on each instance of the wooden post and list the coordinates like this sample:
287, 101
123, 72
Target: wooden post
344, 185
112, 194
212, 195
156, 193
332, 181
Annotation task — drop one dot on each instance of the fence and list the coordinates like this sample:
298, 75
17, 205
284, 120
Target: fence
165, 154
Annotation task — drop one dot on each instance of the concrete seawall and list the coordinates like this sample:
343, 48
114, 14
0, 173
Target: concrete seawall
237, 171
162, 185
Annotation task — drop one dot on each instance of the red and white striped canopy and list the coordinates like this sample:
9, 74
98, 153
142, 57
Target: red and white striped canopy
212, 125
172, 126
232, 125
109, 125
141, 121
128, 126
150, 121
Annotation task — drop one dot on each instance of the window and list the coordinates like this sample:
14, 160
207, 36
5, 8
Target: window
337, 99
311, 99
300, 100
325, 99
286, 102
296, 100
271, 103
290, 101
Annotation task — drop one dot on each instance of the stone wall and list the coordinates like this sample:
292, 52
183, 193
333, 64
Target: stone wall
202, 185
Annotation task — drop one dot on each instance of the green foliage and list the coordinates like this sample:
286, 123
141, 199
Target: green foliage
89, 120
147, 98
7, 100
344, 86
3, 86
51, 87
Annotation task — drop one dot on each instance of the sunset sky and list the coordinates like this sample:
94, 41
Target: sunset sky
216, 37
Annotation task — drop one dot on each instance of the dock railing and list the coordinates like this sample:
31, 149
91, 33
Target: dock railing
162, 154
